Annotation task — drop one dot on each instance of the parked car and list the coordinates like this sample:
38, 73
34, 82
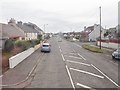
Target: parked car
45, 47
116, 54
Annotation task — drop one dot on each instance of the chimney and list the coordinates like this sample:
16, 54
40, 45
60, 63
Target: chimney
12, 21
84, 28
19, 23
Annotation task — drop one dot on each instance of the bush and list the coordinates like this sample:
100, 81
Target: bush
34, 42
24, 44
9, 45
40, 37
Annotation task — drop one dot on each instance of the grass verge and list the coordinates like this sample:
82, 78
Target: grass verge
92, 48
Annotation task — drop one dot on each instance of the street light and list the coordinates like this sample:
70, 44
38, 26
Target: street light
44, 29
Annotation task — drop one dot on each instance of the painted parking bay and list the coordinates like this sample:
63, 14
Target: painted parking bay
84, 74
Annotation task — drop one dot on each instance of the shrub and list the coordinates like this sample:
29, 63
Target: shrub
9, 45
34, 42
24, 44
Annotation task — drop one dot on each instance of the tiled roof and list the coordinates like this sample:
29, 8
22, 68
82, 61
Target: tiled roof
9, 30
27, 28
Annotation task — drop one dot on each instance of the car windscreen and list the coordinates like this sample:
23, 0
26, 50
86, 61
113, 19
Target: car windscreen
45, 45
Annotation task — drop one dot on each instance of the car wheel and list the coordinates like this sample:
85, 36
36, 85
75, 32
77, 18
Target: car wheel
113, 57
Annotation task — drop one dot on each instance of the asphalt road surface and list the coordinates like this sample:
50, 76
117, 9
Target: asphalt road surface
68, 65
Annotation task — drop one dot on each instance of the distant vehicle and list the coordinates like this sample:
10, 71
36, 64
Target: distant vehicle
46, 47
116, 54
60, 40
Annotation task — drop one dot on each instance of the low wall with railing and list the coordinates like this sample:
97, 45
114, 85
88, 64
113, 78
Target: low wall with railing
109, 44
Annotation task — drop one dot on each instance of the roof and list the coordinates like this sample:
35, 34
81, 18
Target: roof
89, 29
27, 28
46, 44
11, 31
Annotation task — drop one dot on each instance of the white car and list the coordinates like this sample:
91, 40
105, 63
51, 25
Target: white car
45, 47
116, 54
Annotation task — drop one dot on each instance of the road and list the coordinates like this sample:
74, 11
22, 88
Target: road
68, 65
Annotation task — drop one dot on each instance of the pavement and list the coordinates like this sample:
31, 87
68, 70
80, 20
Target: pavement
68, 65
21, 73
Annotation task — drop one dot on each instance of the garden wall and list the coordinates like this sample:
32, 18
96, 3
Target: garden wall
15, 60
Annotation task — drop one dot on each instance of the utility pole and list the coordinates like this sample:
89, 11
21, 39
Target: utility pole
100, 27
44, 29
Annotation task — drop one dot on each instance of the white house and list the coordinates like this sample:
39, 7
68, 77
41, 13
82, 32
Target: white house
95, 33
29, 31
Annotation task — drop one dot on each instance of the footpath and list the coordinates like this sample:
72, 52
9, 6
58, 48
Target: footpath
19, 76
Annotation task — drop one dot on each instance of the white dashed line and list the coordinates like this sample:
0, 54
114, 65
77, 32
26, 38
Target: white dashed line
74, 57
73, 53
81, 56
83, 86
60, 50
73, 50
79, 63
70, 77
87, 73
63, 57
105, 76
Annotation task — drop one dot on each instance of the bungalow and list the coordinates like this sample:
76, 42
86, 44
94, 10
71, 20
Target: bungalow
10, 31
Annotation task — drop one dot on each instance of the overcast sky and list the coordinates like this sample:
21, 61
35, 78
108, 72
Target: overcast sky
61, 15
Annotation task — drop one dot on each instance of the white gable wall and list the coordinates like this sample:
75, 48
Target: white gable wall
95, 33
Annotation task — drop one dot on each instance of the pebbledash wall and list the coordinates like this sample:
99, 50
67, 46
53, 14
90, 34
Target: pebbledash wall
114, 44
15, 60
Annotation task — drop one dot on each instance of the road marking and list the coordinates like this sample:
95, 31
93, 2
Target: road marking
79, 63
83, 86
63, 57
77, 45
71, 80
87, 73
73, 50
60, 50
59, 47
73, 57
106, 76
73, 53
81, 56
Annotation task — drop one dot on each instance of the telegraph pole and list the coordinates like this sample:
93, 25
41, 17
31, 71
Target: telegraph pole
100, 27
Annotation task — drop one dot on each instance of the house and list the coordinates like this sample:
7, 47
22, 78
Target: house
111, 33
40, 31
95, 32
10, 31
29, 30
84, 36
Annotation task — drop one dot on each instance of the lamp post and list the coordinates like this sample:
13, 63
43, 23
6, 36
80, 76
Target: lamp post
44, 26
100, 27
